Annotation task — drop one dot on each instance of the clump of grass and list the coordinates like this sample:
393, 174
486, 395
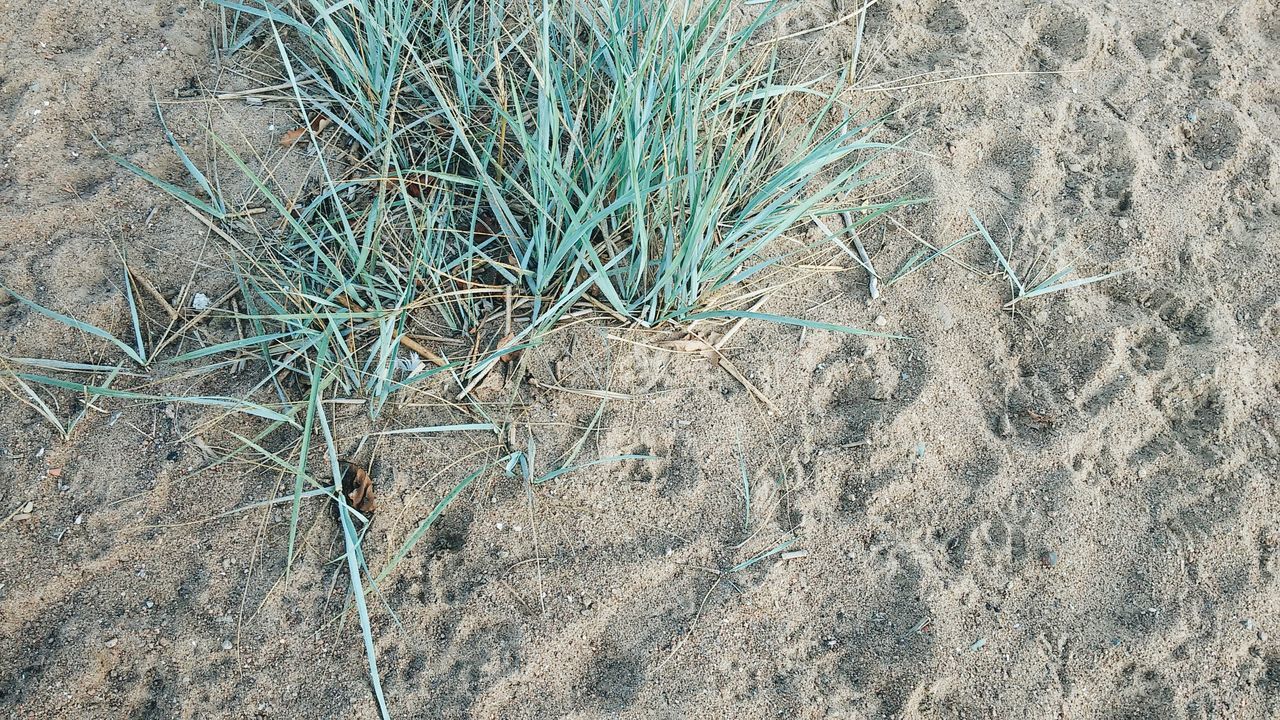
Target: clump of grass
639, 157
1041, 275
648, 160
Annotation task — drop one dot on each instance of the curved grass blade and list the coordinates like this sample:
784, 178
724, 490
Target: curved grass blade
1080, 282
225, 403
748, 563
788, 320
78, 325
425, 525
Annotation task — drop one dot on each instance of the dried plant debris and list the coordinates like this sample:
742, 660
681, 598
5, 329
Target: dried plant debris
357, 488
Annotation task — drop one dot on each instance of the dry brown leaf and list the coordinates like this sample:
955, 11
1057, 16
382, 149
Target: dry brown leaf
293, 137
357, 486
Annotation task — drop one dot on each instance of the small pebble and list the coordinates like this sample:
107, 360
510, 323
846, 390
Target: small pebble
112, 642
1049, 558
226, 645
881, 321
1075, 167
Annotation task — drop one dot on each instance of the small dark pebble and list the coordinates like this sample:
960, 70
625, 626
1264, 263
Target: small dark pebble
1049, 558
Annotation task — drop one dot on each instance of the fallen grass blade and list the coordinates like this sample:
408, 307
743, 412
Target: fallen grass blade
748, 563
79, 325
787, 320
426, 524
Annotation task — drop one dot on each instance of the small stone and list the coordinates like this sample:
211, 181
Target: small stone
881, 321
1075, 167
1006, 426
112, 642
226, 645
1049, 558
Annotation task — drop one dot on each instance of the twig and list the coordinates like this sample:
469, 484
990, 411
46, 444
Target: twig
890, 87
733, 329
20, 510
719, 358
422, 351
597, 394
154, 293
1112, 107
198, 317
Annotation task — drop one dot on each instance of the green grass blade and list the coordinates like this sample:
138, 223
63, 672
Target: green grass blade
231, 346
995, 250
225, 403
78, 325
787, 320
308, 428
133, 313
436, 429
748, 563
1080, 282
426, 524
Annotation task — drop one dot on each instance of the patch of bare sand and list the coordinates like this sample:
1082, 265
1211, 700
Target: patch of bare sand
1069, 511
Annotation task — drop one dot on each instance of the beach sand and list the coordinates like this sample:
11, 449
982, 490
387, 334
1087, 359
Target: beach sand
1067, 510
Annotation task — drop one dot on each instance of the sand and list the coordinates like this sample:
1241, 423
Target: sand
1069, 510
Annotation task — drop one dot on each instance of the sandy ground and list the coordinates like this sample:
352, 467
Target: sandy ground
1069, 511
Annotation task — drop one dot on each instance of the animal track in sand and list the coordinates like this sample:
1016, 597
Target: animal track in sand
1065, 38
1214, 136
